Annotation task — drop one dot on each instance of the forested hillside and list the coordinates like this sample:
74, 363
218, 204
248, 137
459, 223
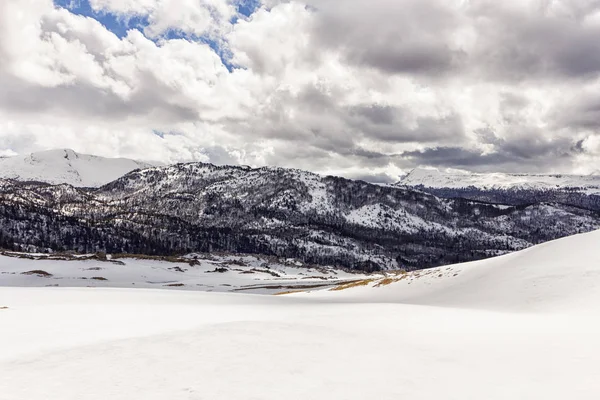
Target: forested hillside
274, 211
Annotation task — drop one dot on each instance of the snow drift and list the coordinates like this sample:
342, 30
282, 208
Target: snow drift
523, 326
562, 275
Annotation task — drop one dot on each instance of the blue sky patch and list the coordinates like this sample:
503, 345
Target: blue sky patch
119, 25
248, 7
116, 24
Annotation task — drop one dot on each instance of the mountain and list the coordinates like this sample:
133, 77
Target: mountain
522, 326
66, 166
581, 191
434, 178
317, 219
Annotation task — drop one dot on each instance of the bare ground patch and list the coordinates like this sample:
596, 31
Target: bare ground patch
38, 272
348, 285
280, 287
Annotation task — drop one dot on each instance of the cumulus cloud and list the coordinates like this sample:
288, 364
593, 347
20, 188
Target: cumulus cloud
194, 17
367, 90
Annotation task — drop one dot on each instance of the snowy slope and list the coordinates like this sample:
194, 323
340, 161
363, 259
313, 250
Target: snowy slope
66, 166
522, 326
434, 178
558, 276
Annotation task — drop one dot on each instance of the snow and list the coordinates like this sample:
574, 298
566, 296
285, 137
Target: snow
522, 326
434, 178
66, 166
562, 276
320, 201
380, 215
249, 274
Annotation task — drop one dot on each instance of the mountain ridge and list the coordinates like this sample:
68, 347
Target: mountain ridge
326, 220
436, 179
60, 166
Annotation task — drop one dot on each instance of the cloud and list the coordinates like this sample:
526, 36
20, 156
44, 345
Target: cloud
401, 125
274, 41
368, 90
530, 153
580, 111
194, 17
408, 37
546, 39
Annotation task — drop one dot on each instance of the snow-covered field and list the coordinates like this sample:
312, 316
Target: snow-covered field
522, 326
209, 273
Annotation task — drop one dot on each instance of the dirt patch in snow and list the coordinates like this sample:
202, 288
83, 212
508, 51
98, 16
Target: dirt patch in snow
348, 285
37, 272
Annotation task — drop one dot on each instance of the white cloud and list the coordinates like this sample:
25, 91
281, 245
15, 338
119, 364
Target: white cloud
315, 86
196, 17
274, 41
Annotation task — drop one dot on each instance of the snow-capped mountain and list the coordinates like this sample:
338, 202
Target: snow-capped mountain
66, 166
512, 189
283, 212
434, 178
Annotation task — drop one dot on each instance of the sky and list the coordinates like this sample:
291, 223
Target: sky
366, 89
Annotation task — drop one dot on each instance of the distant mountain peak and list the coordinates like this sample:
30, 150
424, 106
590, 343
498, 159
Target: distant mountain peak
457, 179
58, 166
419, 172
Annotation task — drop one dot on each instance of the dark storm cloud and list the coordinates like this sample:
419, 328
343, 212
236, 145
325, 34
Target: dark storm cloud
369, 154
582, 113
86, 101
315, 120
457, 157
417, 58
376, 114
523, 42
525, 154
400, 125
535, 147
513, 40
408, 37
526, 143
578, 147
542, 44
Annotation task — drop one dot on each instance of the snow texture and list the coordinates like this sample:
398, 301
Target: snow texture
521, 326
66, 166
210, 273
